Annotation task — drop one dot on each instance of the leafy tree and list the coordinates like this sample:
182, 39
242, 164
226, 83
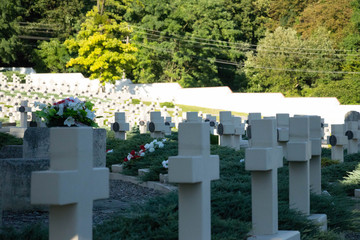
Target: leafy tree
52, 56
285, 13
9, 29
283, 62
194, 43
334, 15
100, 49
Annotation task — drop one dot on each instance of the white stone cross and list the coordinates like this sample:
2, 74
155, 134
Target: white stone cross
23, 109
299, 154
193, 169
251, 117
262, 159
120, 126
192, 117
239, 130
168, 126
353, 134
226, 129
315, 161
71, 184
156, 125
337, 140
282, 120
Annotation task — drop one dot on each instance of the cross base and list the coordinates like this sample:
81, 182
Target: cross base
281, 235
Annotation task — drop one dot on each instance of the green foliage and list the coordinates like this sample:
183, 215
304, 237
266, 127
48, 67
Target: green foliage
135, 101
167, 104
9, 75
100, 49
327, 162
9, 29
53, 57
30, 232
7, 139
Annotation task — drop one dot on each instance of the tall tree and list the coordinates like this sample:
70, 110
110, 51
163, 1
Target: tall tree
9, 30
100, 48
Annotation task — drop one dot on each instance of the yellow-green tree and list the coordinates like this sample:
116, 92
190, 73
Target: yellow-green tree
101, 47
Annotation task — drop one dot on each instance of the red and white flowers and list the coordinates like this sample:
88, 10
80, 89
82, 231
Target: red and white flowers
150, 147
67, 112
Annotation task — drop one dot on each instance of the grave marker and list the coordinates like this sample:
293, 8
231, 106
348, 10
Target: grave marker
23, 109
337, 140
226, 129
156, 125
71, 184
120, 126
193, 169
315, 161
262, 159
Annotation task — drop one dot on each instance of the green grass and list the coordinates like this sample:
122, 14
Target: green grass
186, 108
7, 139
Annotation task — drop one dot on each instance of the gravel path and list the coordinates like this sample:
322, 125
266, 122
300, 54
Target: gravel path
122, 196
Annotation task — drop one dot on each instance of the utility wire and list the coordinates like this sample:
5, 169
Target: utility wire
247, 45
225, 62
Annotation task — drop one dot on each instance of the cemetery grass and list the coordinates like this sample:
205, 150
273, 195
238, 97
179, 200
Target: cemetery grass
7, 139
231, 199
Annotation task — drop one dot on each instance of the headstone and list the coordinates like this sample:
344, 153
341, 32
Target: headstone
337, 140
226, 129
282, 120
194, 169
71, 184
251, 117
168, 126
352, 131
156, 125
262, 159
239, 130
0, 116
315, 161
23, 109
120, 126
299, 155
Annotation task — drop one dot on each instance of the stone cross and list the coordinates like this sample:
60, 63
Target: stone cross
251, 117
143, 123
282, 120
120, 126
212, 121
71, 184
239, 130
156, 125
226, 129
191, 117
299, 154
24, 109
263, 159
352, 133
0, 116
337, 140
315, 161
168, 126
194, 169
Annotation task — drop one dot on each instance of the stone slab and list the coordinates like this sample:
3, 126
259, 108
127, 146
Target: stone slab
281, 235
319, 219
15, 182
150, 184
17, 132
357, 193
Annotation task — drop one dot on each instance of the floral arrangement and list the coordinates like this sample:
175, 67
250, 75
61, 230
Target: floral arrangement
150, 147
67, 112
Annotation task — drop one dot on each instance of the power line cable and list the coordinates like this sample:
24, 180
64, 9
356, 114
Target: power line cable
254, 45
